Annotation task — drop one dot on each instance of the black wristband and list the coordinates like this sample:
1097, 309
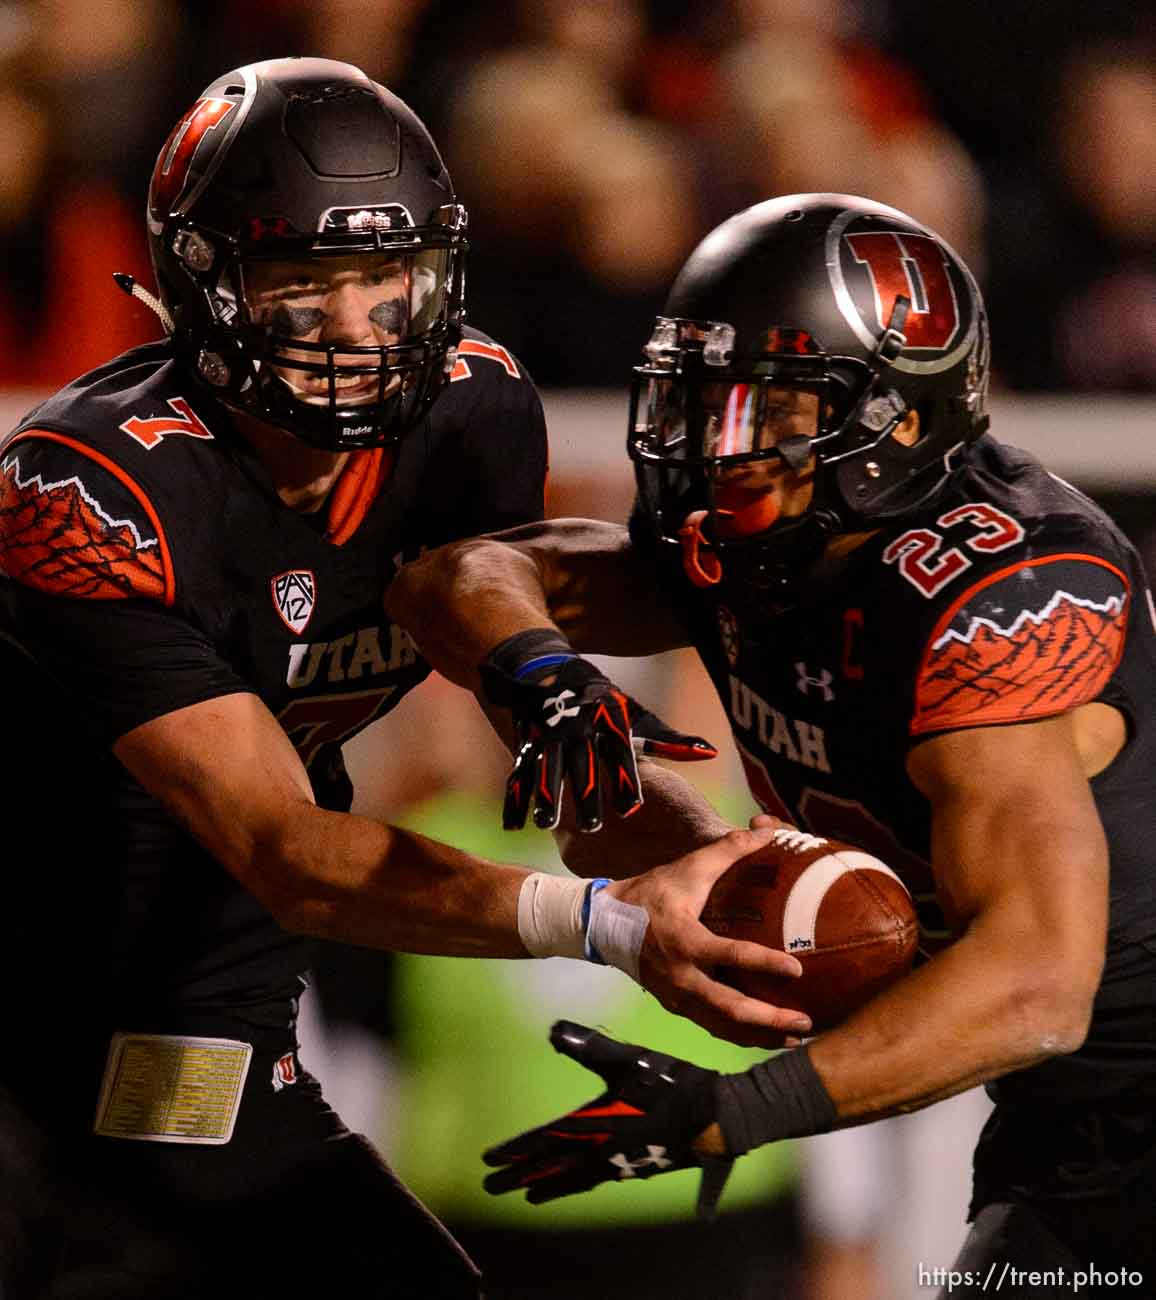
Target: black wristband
782, 1097
514, 660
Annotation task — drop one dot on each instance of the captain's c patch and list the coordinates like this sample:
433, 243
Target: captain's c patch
1031, 641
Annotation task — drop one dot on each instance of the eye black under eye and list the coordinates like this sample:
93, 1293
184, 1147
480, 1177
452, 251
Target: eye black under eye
389, 315
295, 321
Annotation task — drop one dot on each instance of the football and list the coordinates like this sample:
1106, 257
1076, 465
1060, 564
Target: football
847, 917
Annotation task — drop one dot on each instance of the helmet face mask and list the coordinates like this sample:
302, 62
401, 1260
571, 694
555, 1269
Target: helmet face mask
308, 247
802, 333
319, 323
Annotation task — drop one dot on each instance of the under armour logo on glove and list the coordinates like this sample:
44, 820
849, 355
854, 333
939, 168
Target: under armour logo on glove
655, 1156
645, 1123
558, 703
573, 725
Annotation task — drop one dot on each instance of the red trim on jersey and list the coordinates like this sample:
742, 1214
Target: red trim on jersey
355, 491
476, 348
95, 549
1038, 668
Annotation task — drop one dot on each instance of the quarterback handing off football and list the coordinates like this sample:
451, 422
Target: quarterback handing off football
846, 916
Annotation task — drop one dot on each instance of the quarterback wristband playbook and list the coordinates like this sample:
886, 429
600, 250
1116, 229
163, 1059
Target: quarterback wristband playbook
559, 916
782, 1097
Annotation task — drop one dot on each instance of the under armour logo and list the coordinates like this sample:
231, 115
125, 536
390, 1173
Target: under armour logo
558, 704
822, 682
628, 1168
269, 228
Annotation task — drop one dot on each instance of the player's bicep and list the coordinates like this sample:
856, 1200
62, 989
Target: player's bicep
1018, 849
139, 660
226, 770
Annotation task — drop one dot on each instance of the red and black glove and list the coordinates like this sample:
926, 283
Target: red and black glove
644, 1124
573, 724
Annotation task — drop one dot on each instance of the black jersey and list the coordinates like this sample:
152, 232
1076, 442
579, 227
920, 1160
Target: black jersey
148, 564
1014, 598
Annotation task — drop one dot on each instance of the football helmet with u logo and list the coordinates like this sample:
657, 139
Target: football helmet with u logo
308, 250
854, 315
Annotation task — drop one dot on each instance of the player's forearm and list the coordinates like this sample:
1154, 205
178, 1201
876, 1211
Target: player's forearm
353, 880
993, 1002
1021, 862
578, 575
674, 819
990, 1004
1022, 859
461, 600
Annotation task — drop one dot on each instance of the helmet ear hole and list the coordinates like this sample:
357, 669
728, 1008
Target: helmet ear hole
908, 431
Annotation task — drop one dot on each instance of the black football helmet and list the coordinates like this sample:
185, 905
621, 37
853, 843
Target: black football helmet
298, 172
852, 303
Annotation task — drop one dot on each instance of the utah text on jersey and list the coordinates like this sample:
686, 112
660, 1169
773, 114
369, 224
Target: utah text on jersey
791, 738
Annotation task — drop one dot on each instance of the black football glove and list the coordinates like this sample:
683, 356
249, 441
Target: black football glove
574, 729
643, 1124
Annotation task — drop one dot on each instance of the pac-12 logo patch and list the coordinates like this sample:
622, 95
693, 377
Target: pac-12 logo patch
294, 595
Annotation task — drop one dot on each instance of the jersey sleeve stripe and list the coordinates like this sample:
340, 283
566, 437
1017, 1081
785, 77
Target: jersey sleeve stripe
168, 577
1029, 662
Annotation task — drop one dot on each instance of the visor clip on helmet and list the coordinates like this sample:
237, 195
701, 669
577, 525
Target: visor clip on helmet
719, 344
894, 340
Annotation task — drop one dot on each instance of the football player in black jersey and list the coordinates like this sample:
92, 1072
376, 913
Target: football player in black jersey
925, 643
195, 540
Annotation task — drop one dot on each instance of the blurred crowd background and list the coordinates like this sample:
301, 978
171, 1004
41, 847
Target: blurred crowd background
594, 142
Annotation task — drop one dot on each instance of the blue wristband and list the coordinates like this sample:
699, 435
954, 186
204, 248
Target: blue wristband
591, 953
543, 661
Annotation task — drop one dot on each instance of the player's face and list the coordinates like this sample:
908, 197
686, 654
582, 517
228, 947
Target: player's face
360, 300
735, 424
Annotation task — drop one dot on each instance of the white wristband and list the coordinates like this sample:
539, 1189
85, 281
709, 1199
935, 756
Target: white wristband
550, 915
559, 916
614, 930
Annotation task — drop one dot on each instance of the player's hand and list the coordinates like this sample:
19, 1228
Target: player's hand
574, 725
645, 1123
679, 953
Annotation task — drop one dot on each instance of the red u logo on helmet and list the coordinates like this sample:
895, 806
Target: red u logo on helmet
171, 172
916, 267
